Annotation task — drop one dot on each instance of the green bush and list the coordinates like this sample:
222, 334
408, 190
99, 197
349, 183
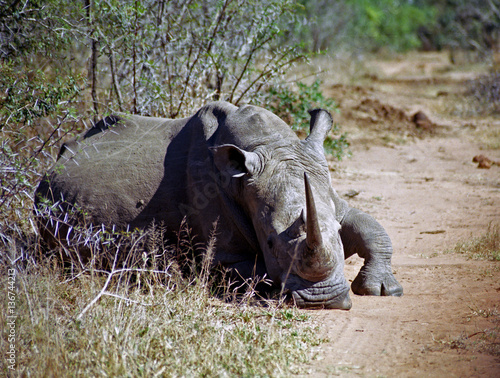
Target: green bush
35, 116
30, 96
168, 58
293, 106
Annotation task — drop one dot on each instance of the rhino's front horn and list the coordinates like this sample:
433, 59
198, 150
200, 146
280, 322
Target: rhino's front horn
314, 239
317, 261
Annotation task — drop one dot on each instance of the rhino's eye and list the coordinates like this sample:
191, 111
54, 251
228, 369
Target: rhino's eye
270, 242
293, 232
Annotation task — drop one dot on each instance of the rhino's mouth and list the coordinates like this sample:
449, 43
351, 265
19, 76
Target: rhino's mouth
327, 294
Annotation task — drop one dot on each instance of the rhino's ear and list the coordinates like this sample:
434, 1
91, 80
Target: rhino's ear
235, 161
320, 125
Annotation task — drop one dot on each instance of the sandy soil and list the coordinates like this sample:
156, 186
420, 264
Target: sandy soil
420, 182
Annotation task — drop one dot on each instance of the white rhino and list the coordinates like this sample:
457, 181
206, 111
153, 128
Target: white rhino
269, 191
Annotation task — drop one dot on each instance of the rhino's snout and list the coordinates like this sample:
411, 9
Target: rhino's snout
332, 293
341, 302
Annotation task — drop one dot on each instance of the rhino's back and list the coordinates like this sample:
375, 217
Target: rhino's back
113, 171
141, 169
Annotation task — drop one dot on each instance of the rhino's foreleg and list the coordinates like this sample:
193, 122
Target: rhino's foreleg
363, 235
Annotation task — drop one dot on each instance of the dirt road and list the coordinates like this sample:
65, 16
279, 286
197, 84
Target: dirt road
421, 184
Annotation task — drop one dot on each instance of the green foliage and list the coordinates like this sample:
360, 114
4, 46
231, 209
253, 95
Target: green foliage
293, 106
155, 57
391, 23
338, 147
363, 24
398, 25
35, 115
38, 95
30, 96
28, 27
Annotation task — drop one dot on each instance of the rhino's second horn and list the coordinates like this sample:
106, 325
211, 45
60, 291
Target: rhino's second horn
320, 125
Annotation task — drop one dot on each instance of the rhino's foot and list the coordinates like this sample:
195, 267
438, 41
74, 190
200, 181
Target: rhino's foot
376, 281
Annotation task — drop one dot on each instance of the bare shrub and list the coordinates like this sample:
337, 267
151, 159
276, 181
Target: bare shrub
165, 58
486, 92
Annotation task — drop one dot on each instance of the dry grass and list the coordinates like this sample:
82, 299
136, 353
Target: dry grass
486, 338
490, 137
142, 318
485, 247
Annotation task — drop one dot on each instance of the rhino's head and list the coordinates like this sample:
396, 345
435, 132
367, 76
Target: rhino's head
285, 188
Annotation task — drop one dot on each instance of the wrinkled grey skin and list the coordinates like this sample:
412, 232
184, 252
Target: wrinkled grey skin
245, 168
